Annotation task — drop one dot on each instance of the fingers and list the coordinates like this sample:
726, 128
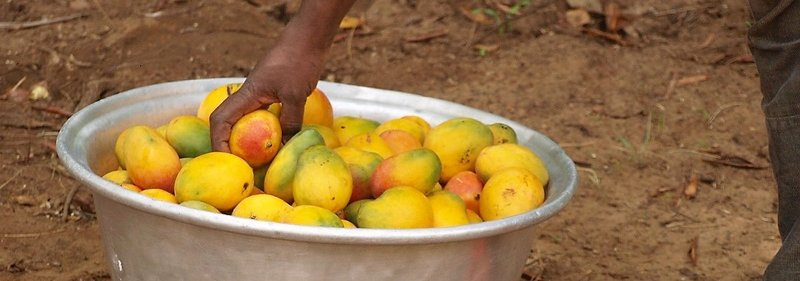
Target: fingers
292, 115
225, 116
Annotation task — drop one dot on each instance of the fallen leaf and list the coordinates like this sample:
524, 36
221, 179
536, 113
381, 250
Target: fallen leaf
594, 6
426, 36
25, 200
734, 161
691, 80
478, 17
577, 17
613, 19
349, 22
487, 48
693, 251
39, 91
691, 189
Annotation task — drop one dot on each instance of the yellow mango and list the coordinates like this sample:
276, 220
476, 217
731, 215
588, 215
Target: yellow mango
263, 207
500, 157
322, 179
362, 166
256, 137
457, 142
448, 209
280, 174
399, 207
214, 98
331, 140
371, 142
318, 109
118, 177
473, 217
312, 216
118, 150
159, 194
424, 125
400, 141
346, 127
510, 192
151, 162
351, 211
217, 178
199, 205
419, 169
189, 135
403, 124
503, 133
348, 224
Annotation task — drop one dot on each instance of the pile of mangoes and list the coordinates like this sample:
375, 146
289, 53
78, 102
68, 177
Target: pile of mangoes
346, 171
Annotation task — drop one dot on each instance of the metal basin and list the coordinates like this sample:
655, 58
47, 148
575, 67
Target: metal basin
145, 239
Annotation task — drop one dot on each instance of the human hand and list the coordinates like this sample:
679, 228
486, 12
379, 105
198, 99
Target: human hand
287, 74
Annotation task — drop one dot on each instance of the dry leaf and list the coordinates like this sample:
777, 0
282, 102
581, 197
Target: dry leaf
691, 189
25, 200
39, 91
691, 80
611, 12
349, 22
578, 17
480, 18
426, 36
693, 251
734, 161
487, 48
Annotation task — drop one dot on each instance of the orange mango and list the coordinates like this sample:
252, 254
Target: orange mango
419, 169
151, 162
256, 137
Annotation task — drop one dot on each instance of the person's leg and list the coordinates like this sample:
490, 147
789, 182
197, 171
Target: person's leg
775, 44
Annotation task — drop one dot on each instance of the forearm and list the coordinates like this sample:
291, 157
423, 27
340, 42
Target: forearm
312, 29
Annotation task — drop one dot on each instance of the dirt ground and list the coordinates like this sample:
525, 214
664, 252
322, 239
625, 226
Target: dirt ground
663, 92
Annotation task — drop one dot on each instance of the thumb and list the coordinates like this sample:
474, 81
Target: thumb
292, 115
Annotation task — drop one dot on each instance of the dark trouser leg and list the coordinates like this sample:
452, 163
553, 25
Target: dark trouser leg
775, 43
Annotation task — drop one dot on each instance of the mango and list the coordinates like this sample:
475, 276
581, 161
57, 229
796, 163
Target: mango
280, 174
362, 166
500, 157
313, 216
473, 217
258, 176
448, 209
151, 162
214, 98
468, 187
275, 108
403, 124
346, 127
397, 208
371, 142
189, 135
256, 137
348, 224
400, 141
118, 177
331, 140
118, 150
318, 109
322, 179
217, 178
159, 194
263, 207
424, 125
502, 133
351, 211
457, 142
510, 192
419, 169
131, 187
199, 205
184, 160
162, 130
